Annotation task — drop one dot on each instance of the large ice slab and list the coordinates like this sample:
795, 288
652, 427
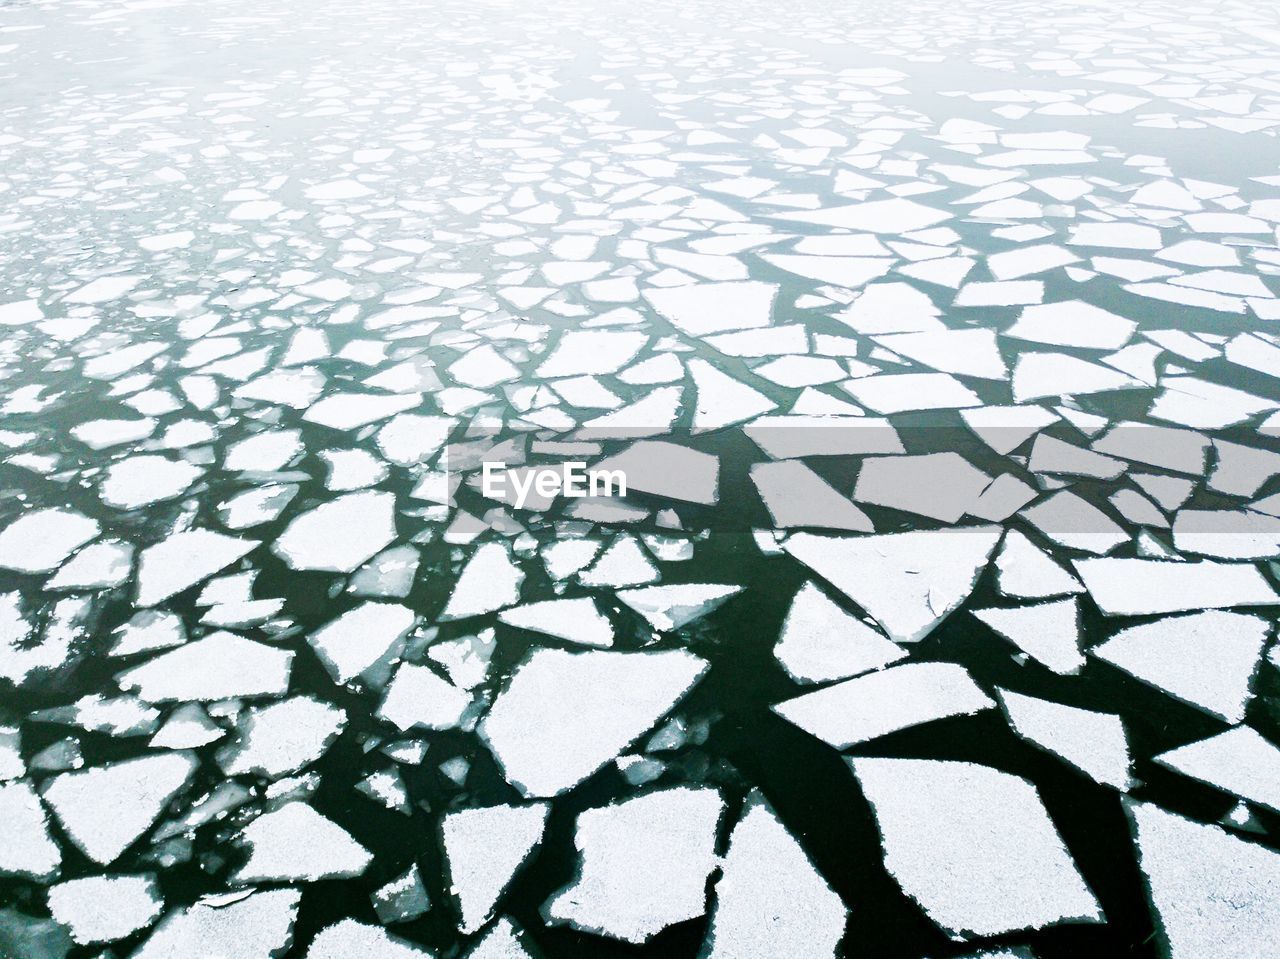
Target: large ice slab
218, 666
973, 846
770, 901
908, 582
1206, 659
484, 848
563, 714
341, 534
26, 850
257, 926
1213, 893
184, 559
820, 641
105, 809
643, 865
296, 844
1140, 587
876, 704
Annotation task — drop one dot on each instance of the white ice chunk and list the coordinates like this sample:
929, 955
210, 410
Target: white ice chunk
105, 908
339, 535
1095, 743
484, 848
876, 704
942, 486
26, 850
821, 642
258, 926
1073, 323
184, 559
418, 698
644, 864
963, 352
104, 810
1238, 761
39, 541
1214, 894
797, 496
894, 215
1023, 570
218, 666
141, 480
908, 582
1206, 659
973, 846
296, 844
282, 737
770, 901
564, 715
1140, 587
702, 308
360, 637
575, 620
670, 607
489, 581
1047, 632
347, 939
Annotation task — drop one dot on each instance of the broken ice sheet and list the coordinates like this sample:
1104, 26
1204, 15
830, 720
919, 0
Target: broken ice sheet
973, 846
908, 582
563, 714
1213, 893
769, 899
643, 864
879, 703
105, 908
484, 848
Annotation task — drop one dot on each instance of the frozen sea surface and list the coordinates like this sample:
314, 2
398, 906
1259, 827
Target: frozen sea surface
936, 344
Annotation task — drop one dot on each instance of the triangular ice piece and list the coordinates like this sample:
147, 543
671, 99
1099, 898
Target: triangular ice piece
484, 848
1205, 659
908, 582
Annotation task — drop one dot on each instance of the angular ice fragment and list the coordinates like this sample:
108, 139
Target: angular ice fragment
256, 926
643, 865
347, 939
341, 534
105, 908
1095, 743
26, 850
1206, 659
973, 846
1238, 761
1141, 587
1213, 893
282, 737
141, 480
346, 411
484, 848
105, 809
184, 559
797, 496
943, 486
489, 581
575, 620
502, 941
1047, 632
564, 715
770, 900
702, 308
669, 470
876, 704
668, 608
908, 582
218, 666
417, 697
360, 637
39, 541
296, 844
821, 642
1072, 323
